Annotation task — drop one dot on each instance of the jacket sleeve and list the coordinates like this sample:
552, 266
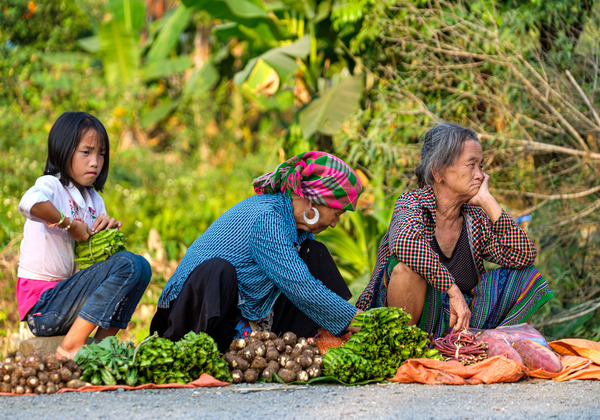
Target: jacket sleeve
505, 243
278, 258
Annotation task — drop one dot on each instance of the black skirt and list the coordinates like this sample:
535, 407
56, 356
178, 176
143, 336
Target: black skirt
209, 297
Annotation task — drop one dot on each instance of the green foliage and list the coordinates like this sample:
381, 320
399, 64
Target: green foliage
46, 25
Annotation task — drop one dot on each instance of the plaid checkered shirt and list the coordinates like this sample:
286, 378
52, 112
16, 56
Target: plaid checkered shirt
413, 228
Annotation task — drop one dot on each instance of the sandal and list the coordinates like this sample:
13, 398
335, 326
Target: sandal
62, 354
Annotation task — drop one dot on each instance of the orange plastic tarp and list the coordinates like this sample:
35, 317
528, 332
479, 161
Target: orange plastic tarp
428, 371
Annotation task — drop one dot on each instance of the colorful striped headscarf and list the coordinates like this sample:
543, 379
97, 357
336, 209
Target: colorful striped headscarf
317, 176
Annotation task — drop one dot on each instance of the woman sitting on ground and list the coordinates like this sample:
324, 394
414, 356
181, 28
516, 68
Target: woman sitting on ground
258, 265
430, 261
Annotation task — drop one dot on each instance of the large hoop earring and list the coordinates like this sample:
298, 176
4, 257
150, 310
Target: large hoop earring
314, 219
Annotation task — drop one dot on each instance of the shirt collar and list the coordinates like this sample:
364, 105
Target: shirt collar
77, 196
427, 199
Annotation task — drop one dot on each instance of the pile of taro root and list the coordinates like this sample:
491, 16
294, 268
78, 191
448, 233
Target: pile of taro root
264, 354
34, 374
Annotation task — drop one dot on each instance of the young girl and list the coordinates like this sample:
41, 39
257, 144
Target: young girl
63, 208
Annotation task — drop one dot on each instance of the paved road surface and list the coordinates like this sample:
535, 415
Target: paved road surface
523, 400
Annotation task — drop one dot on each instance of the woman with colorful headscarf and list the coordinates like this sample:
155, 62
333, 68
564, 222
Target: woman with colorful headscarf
258, 265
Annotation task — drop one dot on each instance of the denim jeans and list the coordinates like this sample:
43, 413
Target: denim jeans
104, 294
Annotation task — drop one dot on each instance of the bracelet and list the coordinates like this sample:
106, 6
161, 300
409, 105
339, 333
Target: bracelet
53, 225
68, 226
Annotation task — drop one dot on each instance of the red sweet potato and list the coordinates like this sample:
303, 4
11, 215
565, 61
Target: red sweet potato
537, 356
498, 347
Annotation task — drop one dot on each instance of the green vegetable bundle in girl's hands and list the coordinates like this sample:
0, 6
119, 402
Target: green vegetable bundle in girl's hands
99, 247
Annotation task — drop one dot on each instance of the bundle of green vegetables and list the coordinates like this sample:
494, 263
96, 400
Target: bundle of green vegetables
99, 247
160, 361
155, 360
108, 362
383, 343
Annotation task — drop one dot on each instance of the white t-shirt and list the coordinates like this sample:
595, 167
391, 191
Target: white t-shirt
47, 253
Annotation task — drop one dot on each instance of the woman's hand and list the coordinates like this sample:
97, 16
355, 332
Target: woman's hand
486, 201
460, 313
352, 328
104, 222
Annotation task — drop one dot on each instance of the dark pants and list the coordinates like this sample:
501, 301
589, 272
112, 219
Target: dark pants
208, 300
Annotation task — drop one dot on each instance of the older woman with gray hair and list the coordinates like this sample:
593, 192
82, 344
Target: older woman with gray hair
430, 261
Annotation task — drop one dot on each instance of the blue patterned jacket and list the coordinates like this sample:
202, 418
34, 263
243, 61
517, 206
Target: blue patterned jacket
258, 236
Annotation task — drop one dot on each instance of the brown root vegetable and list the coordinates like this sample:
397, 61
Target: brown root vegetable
77, 374
23, 381
272, 354
251, 341
302, 341
289, 338
17, 371
316, 350
43, 377
288, 349
272, 335
6, 378
55, 377
302, 376
537, 356
228, 357
28, 390
71, 365
255, 334
33, 382
250, 376
259, 349
19, 389
314, 371
14, 381
28, 371
259, 363
279, 344
19, 357
40, 389
237, 376
51, 388
75, 384
247, 353
308, 351
283, 359
311, 341
264, 335
5, 387
268, 373
304, 361
239, 363
293, 365
65, 374
32, 361
51, 362
273, 365
318, 359
237, 344
287, 375
8, 368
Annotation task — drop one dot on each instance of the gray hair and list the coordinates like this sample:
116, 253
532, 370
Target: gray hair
442, 144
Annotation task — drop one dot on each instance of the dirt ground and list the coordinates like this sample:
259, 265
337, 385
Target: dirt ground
526, 399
